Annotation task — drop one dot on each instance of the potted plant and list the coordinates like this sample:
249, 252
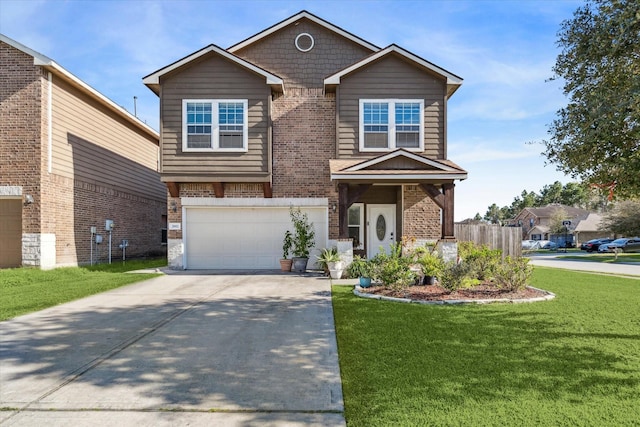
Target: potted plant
362, 269
303, 239
431, 266
326, 256
287, 243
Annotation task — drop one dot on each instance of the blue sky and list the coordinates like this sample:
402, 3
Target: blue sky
504, 50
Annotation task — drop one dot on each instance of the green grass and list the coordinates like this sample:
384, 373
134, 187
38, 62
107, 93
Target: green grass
24, 290
571, 361
628, 257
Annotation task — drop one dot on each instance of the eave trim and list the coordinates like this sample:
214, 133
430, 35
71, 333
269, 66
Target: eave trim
398, 177
453, 81
398, 153
297, 17
50, 65
154, 78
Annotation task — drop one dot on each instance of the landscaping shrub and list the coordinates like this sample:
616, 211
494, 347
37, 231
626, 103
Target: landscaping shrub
395, 273
393, 270
454, 275
431, 264
513, 274
482, 260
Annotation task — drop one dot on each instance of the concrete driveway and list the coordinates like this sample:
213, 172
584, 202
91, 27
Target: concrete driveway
182, 349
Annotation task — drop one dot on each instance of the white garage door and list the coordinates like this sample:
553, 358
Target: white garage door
243, 238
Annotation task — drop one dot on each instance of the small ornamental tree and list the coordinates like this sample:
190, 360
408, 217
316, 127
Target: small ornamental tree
303, 233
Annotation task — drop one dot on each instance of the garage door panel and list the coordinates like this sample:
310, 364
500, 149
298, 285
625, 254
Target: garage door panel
241, 238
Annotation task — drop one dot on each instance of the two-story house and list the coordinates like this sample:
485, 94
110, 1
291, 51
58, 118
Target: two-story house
302, 114
71, 159
536, 222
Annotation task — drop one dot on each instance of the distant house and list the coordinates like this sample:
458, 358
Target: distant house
589, 228
70, 159
304, 114
535, 222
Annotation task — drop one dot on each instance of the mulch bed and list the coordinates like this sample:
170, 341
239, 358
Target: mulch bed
438, 293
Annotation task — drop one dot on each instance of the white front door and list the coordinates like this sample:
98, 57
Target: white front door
381, 228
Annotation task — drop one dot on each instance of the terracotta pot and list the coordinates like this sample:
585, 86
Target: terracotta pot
285, 264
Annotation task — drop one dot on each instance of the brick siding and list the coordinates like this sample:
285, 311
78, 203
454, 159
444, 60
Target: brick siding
304, 134
20, 129
421, 215
62, 206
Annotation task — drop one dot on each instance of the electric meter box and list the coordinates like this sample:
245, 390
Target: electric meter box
98, 238
108, 225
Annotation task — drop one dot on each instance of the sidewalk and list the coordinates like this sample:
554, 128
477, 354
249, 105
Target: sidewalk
589, 266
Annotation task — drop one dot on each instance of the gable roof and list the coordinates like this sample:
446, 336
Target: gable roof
153, 80
426, 168
590, 223
50, 65
302, 14
453, 81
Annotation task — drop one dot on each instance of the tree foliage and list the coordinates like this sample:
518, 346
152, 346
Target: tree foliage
555, 222
596, 137
623, 219
571, 194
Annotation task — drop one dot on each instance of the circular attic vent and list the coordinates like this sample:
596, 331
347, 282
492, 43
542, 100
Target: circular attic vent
304, 42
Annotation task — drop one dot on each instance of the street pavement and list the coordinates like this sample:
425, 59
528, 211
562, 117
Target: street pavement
553, 260
189, 348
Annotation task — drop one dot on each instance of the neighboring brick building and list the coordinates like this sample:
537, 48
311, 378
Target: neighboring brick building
536, 222
69, 160
302, 114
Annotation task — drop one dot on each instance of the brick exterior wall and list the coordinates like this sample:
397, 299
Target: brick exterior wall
64, 209
304, 134
20, 129
78, 206
421, 217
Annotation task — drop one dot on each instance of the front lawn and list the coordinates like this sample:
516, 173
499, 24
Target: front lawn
23, 290
574, 360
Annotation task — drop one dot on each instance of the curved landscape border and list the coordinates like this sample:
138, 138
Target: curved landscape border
547, 296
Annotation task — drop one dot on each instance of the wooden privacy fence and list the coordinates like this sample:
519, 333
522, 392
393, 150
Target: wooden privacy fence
507, 239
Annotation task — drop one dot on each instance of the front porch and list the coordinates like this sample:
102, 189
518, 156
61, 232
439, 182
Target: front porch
399, 181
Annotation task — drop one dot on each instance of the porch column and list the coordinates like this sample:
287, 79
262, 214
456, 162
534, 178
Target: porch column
346, 198
447, 211
343, 211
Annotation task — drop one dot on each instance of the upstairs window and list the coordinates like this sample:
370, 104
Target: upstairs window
387, 124
214, 125
199, 125
376, 124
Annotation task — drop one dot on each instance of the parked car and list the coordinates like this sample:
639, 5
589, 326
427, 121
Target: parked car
566, 244
633, 245
593, 244
605, 248
547, 244
625, 244
529, 245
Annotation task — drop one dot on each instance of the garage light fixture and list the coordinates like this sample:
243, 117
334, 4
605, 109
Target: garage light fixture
28, 199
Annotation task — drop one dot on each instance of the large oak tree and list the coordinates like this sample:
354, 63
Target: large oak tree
596, 137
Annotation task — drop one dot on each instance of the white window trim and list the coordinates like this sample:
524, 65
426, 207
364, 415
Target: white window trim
391, 141
215, 126
362, 224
